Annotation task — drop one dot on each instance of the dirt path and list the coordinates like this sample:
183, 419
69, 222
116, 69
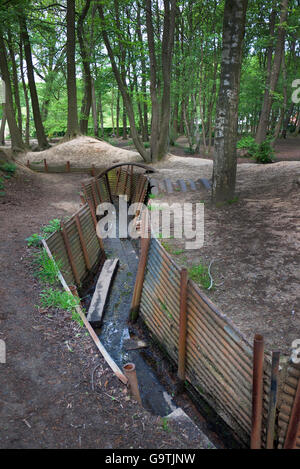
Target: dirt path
46, 398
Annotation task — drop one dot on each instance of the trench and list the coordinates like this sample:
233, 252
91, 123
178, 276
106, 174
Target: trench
157, 385
114, 330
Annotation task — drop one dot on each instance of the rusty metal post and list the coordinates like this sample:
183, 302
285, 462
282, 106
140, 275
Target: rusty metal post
182, 325
294, 424
145, 243
130, 373
273, 400
45, 165
108, 188
74, 291
257, 391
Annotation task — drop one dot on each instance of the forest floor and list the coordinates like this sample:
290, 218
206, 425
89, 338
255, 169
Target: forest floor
47, 398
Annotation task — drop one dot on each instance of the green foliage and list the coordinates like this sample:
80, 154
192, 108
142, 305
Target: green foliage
165, 424
9, 168
34, 240
262, 153
47, 268
53, 225
199, 274
61, 299
247, 143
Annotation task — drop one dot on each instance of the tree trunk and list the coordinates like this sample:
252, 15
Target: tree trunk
124, 137
94, 111
25, 91
15, 80
100, 111
15, 134
40, 132
225, 161
268, 96
2, 128
87, 79
161, 111
72, 127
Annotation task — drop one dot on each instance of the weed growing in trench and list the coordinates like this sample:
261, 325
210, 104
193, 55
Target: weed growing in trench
53, 225
63, 300
199, 274
47, 268
165, 424
35, 239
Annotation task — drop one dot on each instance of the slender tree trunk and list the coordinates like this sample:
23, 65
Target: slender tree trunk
287, 121
225, 160
124, 117
87, 79
15, 134
40, 132
94, 110
100, 111
15, 80
268, 96
26, 97
2, 128
118, 116
72, 127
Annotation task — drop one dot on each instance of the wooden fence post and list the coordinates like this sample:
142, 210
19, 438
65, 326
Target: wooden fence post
257, 391
182, 324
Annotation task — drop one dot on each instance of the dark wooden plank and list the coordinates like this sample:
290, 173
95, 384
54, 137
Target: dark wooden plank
169, 186
182, 185
154, 186
192, 184
97, 305
205, 182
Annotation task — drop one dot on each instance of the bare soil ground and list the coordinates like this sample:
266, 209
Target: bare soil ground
47, 398
254, 244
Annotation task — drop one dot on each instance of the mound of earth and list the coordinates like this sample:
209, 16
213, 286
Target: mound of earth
83, 152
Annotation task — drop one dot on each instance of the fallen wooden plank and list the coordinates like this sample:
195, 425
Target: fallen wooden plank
97, 305
93, 334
